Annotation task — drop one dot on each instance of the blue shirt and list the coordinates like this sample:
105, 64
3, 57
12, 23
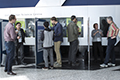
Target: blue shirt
58, 32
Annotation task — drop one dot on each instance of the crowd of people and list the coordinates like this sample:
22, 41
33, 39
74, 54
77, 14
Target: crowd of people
14, 39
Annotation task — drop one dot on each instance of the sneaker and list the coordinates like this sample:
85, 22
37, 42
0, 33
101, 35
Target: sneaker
111, 64
103, 65
55, 62
45, 68
57, 65
51, 67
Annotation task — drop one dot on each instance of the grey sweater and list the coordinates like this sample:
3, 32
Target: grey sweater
98, 36
47, 38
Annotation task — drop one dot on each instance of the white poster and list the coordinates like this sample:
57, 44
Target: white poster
3, 41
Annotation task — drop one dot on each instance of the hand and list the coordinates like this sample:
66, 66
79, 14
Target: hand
16, 32
97, 32
113, 37
18, 37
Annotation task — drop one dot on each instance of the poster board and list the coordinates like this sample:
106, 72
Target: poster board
3, 23
39, 51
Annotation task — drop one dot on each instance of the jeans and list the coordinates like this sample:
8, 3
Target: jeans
10, 47
110, 51
46, 53
73, 51
21, 48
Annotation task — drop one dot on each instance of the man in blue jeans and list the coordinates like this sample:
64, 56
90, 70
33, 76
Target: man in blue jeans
10, 36
112, 33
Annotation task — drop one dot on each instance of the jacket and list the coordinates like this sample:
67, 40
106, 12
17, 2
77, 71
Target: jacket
23, 36
58, 32
72, 31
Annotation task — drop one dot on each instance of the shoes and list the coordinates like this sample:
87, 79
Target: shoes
2, 65
23, 63
45, 68
5, 70
111, 64
51, 67
11, 73
56, 64
103, 65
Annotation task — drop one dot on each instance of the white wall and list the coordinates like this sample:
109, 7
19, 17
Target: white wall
94, 12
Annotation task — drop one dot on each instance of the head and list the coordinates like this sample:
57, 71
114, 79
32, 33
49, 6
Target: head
12, 18
95, 26
109, 20
73, 18
53, 20
46, 24
18, 25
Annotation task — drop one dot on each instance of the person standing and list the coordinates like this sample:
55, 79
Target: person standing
58, 39
19, 44
112, 33
97, 45
47, 38
73, 40
10, 36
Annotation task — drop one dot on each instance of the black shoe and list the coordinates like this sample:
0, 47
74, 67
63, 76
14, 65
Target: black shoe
5, 70
11, 73
2, 65
22, 63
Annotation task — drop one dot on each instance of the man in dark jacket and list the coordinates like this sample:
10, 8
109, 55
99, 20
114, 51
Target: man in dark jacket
58, 39
73, 39
19, 43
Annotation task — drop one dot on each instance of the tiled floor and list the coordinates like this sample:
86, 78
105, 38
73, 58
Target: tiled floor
30, 73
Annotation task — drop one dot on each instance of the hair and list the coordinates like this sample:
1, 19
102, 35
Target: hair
94, 25
110, 18
73, 17
18, 23
46, 24
54, 18
11, 17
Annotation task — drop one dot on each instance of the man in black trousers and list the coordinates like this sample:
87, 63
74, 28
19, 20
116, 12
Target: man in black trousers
73, 40
19, 44
112, 34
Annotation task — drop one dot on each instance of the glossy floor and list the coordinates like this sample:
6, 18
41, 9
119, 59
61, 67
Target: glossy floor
29, 72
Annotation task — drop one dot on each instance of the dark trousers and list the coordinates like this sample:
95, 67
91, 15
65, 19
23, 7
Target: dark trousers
20, 47
97, 48
73, 51
110, 51
10, 47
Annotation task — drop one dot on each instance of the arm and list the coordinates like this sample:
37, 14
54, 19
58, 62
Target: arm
95, 33
114, 27
75, 28
42, 36
59, 31
101, 32
12, 33
92, 34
